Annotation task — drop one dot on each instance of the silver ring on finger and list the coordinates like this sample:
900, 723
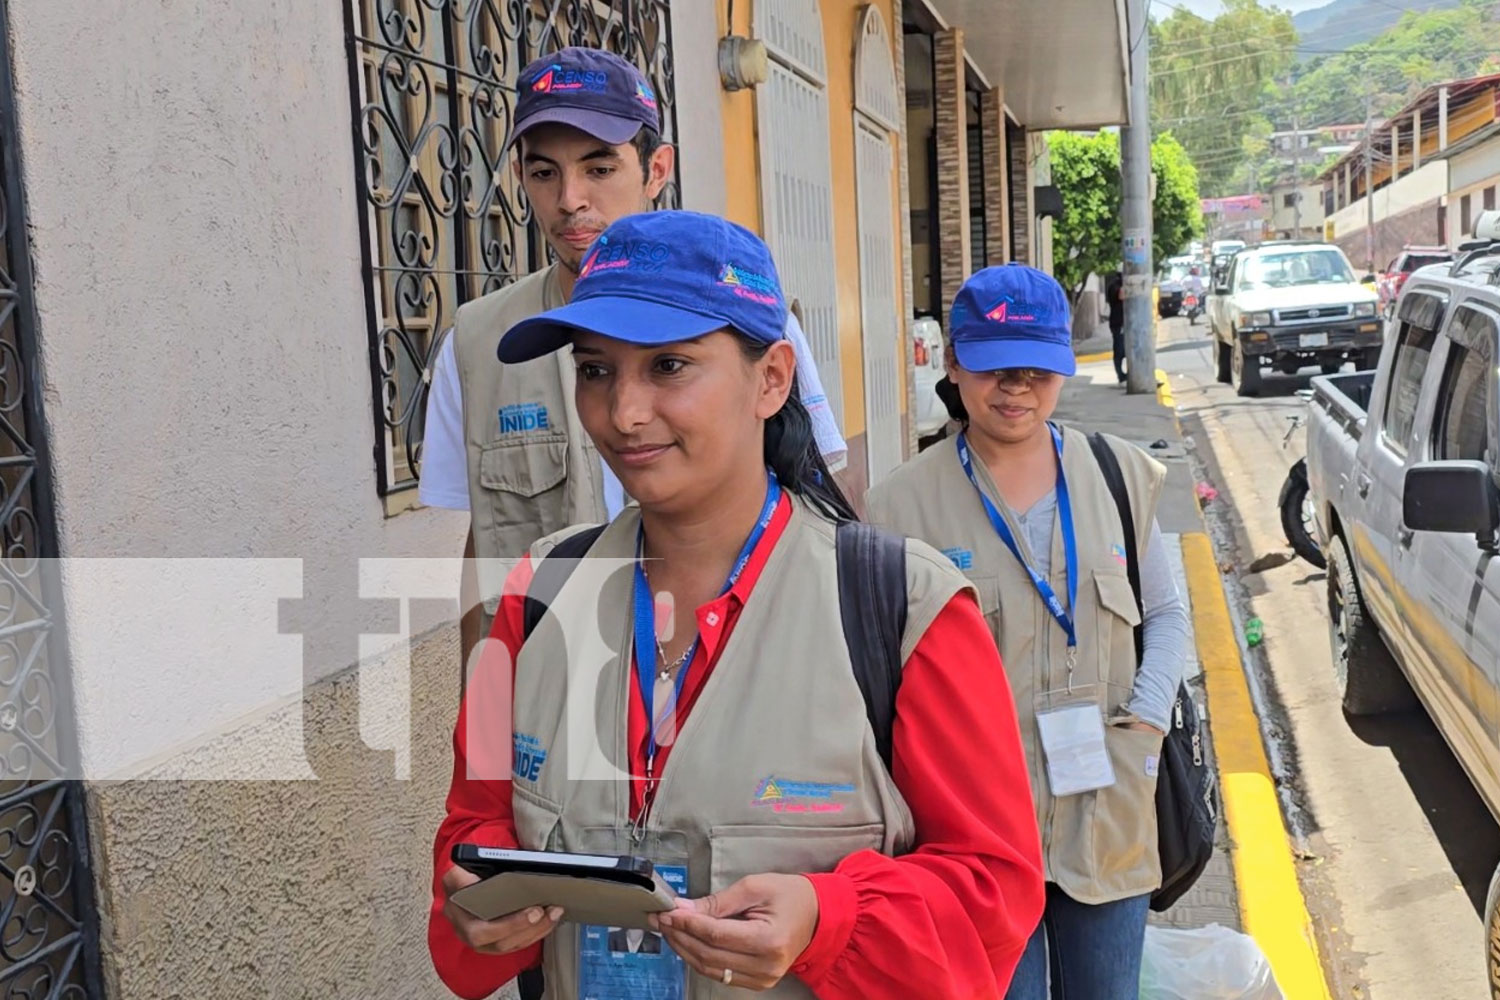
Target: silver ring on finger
728, 977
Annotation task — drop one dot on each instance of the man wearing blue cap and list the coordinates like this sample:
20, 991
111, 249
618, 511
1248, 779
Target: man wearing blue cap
1023, 507
503, 441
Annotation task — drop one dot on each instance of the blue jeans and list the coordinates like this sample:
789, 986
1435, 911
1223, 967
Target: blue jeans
1095, 951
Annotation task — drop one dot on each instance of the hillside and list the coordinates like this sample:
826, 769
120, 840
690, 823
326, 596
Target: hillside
1343, 23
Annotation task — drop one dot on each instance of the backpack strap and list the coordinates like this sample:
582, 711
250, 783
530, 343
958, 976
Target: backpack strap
872, 606
552, 572
1109, 464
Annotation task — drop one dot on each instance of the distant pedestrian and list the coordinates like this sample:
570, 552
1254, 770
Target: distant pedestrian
1114, 295
1022, 506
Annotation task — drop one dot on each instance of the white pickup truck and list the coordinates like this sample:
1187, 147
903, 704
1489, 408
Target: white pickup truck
1287, 305
1404, 479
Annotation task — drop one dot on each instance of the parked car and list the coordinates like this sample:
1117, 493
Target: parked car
1390, 281
1170, 286
928, 348
1288, 305
1402, 474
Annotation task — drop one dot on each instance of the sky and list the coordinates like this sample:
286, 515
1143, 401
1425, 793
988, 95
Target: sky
1208, 8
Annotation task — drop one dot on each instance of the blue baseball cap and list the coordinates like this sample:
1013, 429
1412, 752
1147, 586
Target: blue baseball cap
592, 90
1012, 317
661, 278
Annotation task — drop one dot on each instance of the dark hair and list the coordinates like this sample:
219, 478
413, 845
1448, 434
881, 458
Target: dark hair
646, 142
791, 451
948, 394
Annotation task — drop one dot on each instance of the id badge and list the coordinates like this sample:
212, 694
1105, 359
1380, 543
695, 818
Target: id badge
1071, 724
620, 963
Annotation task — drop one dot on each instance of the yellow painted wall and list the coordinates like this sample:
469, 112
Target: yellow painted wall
741, 161
742, 178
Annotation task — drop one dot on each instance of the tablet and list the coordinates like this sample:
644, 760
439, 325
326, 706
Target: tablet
615, 891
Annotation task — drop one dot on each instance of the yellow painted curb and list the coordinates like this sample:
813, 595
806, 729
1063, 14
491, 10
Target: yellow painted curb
1088, 359
1164, 390
1271, 904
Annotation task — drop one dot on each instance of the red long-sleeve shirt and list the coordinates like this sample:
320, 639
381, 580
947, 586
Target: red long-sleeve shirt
948, 920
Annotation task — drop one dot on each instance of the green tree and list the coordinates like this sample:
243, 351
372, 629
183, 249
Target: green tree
1177, 213
1086, 169
1209, 83
1087, 239
1424, 48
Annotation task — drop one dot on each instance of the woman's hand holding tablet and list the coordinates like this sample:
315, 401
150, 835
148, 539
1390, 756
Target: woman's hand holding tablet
496, 937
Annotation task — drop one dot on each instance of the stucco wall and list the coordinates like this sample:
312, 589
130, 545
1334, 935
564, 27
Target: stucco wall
194, 219
202, 322
232, 889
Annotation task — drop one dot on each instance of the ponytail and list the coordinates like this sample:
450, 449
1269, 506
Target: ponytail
791, 452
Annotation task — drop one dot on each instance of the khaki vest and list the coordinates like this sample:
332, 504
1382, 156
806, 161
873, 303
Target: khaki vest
780, 720
1099, 846
532, 469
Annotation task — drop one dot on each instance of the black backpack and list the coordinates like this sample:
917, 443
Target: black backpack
1186, 789
872, 607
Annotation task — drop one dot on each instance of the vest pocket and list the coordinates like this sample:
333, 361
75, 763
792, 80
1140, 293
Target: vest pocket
738, 850
988, 588
525, 483
536, 818
1125, 860
1115, 637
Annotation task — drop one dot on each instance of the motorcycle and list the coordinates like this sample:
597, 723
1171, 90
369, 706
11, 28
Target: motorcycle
1192, 304
1296, 506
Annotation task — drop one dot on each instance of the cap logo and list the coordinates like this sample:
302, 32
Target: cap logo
644, 95
749, 285
1008, 311
644, 255
556, 79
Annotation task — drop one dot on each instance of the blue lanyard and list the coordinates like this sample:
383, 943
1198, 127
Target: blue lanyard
645, 617
1070, 542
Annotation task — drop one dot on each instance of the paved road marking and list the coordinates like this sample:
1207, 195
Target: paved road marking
1271, 903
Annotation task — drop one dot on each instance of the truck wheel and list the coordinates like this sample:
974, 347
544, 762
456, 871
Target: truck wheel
1370, 680
1492, 934
1368, 361
1246, 371
1226, 373
1333, 366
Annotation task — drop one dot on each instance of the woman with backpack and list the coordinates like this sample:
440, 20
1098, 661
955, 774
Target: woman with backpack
1024, 508
691, 697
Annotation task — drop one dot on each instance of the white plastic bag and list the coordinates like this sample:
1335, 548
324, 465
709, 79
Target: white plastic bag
1208, 963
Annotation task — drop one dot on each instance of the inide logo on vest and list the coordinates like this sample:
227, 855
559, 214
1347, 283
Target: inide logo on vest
528, 758
785, 795
521, 417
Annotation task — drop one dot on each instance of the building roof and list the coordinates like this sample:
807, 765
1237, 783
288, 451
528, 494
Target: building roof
1427, 100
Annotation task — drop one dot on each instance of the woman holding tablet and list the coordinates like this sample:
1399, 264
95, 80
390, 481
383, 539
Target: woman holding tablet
690, 696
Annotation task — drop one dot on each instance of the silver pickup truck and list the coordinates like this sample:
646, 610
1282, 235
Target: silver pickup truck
1404, 480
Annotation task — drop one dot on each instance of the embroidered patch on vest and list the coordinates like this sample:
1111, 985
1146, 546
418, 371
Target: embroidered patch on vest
522, 417
786, 795
962, 558
1118, 551
529, 757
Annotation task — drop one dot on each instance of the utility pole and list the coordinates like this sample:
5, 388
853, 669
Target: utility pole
1135, 180
1369, 184
1296, 176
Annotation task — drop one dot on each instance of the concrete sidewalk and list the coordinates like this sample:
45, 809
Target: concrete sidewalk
1252, 883
1093, 401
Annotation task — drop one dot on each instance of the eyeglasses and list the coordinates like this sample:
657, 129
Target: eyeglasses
1021, 374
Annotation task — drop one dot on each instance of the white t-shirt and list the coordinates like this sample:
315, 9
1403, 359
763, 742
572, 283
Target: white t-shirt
445, 476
